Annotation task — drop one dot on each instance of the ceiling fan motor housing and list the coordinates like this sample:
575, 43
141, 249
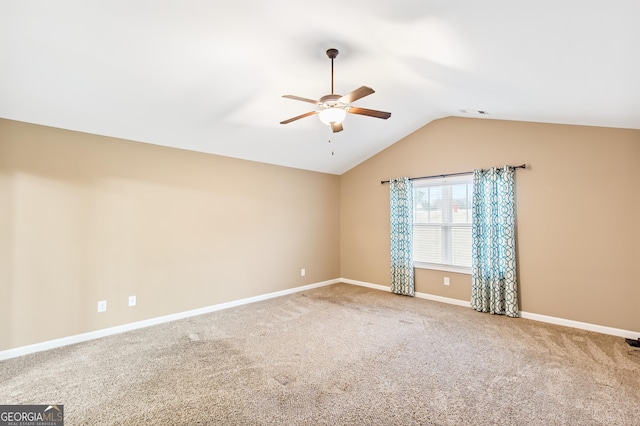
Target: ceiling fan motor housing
331, 101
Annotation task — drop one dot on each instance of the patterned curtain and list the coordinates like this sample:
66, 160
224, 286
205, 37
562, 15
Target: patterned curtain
493, 264
401, 199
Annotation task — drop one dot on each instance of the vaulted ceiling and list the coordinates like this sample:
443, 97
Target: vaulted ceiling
209, 75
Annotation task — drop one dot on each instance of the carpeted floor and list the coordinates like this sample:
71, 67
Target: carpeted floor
337, 355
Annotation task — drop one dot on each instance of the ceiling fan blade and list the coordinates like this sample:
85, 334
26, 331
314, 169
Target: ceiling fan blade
299, 117
369, 112
298, 98
359, 93
336, 127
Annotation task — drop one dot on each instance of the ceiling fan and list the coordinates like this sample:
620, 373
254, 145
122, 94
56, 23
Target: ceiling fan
332, 109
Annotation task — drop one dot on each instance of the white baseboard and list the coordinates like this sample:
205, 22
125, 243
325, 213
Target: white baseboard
418, 294
365, 284
527, 315
64, 341
581, 325
444, 299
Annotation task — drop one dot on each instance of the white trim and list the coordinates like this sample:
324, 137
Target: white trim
365, 284
581, 325
526, 315
417, 294
444, 299
443, 180
51, 344
439, 267
64, 341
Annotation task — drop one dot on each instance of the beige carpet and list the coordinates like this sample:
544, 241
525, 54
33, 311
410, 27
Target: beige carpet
337, 355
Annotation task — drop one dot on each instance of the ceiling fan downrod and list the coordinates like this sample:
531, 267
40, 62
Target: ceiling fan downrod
332, 53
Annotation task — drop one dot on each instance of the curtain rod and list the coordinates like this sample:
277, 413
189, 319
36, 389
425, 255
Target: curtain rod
521, 166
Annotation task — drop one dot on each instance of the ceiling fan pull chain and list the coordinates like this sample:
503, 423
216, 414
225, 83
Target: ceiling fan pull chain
329, 140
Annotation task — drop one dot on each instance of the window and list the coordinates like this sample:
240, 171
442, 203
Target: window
442, 223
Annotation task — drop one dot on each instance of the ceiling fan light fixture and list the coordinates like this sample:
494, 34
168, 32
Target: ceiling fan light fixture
332, 115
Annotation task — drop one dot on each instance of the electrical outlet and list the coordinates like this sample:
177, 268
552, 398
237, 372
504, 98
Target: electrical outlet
102, 306
302, 272
446, 280
132, 301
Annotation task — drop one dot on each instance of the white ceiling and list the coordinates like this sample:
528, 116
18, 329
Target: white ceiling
208, 75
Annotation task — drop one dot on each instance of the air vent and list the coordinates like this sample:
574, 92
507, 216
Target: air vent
474, 111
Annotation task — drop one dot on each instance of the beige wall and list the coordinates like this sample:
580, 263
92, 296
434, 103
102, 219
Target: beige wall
86, 218
578, 212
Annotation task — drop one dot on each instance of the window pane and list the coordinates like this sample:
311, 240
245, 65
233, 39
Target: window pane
421, 205
427, 244
442, 222
435, 204
461, 203
428, 204
461, 247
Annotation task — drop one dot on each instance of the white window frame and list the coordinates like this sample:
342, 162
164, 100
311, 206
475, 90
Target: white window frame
445, 182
